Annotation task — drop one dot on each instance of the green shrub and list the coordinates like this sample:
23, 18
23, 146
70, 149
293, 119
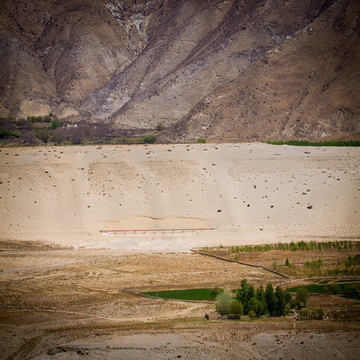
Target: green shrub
7, 133
159, 127
236, 308
55, 124
201, 141
215, 292
149, 139
224, 302
252, 314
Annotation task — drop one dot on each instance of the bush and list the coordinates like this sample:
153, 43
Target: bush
252, 314
149, 139
55, 124
159, 127
7, 133
236, 308
223, 303
215, 292
201, 141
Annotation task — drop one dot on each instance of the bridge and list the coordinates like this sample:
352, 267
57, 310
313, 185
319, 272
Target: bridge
135, 231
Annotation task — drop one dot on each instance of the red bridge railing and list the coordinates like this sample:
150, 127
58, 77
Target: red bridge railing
153, 230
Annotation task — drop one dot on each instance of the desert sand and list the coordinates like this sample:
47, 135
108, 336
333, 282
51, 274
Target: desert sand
248, 193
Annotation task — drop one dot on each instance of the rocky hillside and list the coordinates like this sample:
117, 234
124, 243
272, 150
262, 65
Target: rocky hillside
221, 70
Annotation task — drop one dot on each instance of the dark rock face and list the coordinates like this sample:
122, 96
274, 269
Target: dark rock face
221, 70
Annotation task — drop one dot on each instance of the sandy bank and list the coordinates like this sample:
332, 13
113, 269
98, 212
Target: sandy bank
247, 192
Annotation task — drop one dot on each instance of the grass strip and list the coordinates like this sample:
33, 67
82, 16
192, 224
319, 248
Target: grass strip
315, 143
188, 294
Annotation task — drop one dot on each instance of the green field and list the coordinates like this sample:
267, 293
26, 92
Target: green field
188, 294
329, 288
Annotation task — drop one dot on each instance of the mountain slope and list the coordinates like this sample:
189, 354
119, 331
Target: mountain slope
224, 70
307, 87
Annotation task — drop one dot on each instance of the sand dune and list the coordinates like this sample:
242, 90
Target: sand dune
247, 192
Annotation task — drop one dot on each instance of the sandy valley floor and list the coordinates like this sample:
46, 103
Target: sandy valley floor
62, 280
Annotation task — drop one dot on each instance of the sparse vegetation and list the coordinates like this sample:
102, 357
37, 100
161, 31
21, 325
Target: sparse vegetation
35, 130
316, 143
298, 246
305, 264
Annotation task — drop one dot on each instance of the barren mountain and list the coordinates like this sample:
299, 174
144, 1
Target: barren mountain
223, 70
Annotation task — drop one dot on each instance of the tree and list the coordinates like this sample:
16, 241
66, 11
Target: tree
280, 301
76, 135
223, 303
59, 136
260, 293
29, 137
288, 297
304, 314
287, 262
244, 294
43, 135
236, 308
270, 299
302, 295
257, 306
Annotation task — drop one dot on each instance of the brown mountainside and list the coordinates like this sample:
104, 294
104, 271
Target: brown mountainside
222, 70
